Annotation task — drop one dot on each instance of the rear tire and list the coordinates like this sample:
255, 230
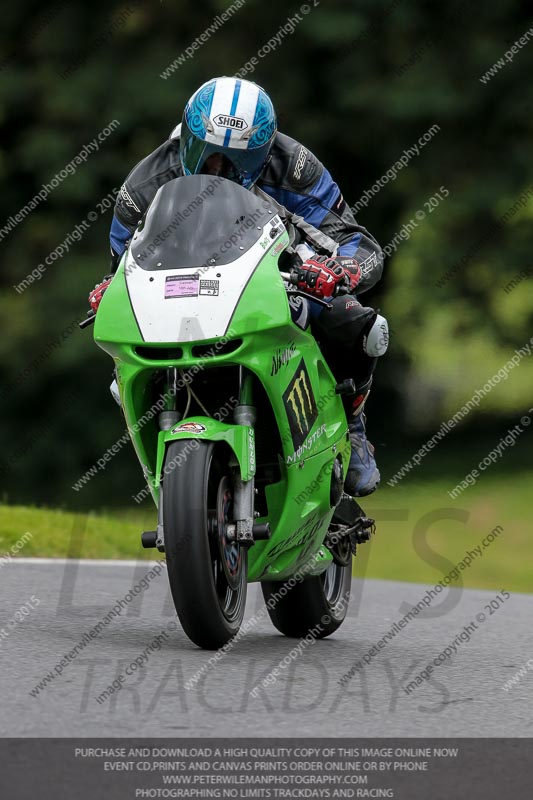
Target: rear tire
311, 603
207, 575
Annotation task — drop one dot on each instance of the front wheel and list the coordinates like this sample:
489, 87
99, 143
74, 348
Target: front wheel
207, 574
318, 605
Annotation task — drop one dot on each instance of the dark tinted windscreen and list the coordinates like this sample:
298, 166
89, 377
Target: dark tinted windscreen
198, 218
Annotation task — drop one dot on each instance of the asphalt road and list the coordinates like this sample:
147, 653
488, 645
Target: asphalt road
463, 697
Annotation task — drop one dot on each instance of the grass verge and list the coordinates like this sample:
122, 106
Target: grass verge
421, 533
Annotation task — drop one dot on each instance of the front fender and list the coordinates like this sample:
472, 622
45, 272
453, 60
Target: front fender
239, 438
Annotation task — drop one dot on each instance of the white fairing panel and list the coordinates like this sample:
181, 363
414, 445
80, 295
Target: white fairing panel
188, 305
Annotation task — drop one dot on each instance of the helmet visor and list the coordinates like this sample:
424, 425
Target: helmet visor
204, 158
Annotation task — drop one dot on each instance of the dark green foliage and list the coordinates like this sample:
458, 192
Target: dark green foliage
359, 83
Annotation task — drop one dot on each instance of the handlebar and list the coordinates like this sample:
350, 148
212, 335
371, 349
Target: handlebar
91, 316
287, 277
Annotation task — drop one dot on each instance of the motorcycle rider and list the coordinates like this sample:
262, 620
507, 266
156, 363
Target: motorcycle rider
229, 129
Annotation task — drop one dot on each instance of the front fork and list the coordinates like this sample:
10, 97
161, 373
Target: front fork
167, 418
242, 531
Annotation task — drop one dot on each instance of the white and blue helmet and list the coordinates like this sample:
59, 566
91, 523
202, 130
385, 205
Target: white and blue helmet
233, 121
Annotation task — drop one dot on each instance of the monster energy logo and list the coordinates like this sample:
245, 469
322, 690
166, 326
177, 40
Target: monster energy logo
300, 405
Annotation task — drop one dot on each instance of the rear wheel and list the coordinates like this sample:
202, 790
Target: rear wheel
207, 573
318, 604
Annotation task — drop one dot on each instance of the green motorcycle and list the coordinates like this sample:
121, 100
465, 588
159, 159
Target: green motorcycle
234, 415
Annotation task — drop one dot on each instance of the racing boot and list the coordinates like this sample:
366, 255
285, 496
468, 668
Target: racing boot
363, 475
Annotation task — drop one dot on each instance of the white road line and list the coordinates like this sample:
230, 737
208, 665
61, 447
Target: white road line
86, 562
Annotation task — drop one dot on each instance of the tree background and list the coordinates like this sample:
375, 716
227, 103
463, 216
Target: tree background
358, 83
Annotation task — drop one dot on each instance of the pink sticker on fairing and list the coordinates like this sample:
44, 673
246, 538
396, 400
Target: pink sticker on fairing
182, 286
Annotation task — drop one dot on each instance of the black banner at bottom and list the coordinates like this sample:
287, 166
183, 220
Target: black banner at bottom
127, 769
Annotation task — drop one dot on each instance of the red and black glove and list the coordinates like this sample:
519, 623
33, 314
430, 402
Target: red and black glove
352, 270
97, 293
323, 276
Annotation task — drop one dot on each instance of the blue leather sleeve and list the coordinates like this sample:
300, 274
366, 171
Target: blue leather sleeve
118, 236
315, 205
351, 247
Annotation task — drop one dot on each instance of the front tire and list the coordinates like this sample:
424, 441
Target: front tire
207, 574
318, 604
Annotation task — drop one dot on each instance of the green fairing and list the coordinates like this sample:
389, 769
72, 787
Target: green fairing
299, 509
